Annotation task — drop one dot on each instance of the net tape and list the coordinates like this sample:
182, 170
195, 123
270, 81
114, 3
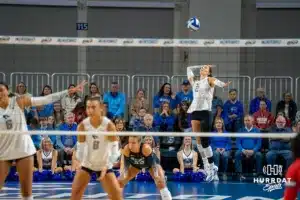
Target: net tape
166, 134
147, 42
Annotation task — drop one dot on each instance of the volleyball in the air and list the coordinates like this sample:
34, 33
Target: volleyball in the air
193, 24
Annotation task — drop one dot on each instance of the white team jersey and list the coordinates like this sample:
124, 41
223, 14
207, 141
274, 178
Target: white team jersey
188, 159
96, 151
47, 159
14, 146
203, 95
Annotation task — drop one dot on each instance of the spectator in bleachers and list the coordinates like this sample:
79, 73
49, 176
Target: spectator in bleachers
248, 148
186, 94
21, 90
263, 120
221, 146
280, 147
254, 104
165, 94
288, 121
218, 114
47, 157
66, 143
120, 127
139, 102
288, 106
138, 120
69, 102
94, 92
115, 102
58, 114
46, 110
79, 112
187, 157
233, 112
164, 120
216, 102
51, 123
34, 126
184, 119
297, 118
296, 127
44, 126
148, 127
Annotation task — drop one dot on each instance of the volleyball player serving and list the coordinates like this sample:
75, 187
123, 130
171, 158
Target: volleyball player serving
200, 110
20, 147
138, 156
96, 153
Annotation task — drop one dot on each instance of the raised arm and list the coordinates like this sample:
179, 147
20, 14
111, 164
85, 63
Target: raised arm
25, 101
190, 73
216, 82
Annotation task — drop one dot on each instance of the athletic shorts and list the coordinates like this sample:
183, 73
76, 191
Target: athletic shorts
98, 173
203, 115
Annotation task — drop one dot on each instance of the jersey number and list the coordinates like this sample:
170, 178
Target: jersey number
9, 123
96, 145
197, 88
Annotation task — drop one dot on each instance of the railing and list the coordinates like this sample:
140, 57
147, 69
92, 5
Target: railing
61, 81
274, 86
34, 81
2, 76
151, 84
104, 81
297, 96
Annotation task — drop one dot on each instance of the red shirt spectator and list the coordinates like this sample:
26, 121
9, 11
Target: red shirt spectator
263, 119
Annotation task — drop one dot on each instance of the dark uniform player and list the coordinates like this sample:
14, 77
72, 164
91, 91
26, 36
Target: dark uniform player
292, 187
138, 156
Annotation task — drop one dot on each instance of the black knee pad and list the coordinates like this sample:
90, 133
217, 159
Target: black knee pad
205, 142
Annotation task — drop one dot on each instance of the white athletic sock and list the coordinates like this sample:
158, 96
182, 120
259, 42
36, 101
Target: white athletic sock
28, 198
208, 152
203, 156
165, 194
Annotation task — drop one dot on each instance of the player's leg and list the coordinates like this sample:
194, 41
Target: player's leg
4, 170
158, 176
125, 178
81, 180
24, 168
208, 153
111, 186
196, 127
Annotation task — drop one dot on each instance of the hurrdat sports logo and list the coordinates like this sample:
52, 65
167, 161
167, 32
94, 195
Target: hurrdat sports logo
272, 183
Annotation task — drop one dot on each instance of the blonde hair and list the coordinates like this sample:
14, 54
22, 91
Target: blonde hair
46, 139
182, 145
219, 119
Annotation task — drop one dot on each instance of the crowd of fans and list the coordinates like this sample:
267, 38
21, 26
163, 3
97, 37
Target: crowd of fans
168, 113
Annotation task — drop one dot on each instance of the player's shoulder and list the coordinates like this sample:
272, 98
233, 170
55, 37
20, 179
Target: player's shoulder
146, 150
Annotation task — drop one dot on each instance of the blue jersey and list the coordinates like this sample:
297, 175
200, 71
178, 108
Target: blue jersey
181, 96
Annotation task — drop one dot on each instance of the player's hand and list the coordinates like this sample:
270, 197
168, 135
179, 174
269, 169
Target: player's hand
79, 87
103, 173
227, 84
